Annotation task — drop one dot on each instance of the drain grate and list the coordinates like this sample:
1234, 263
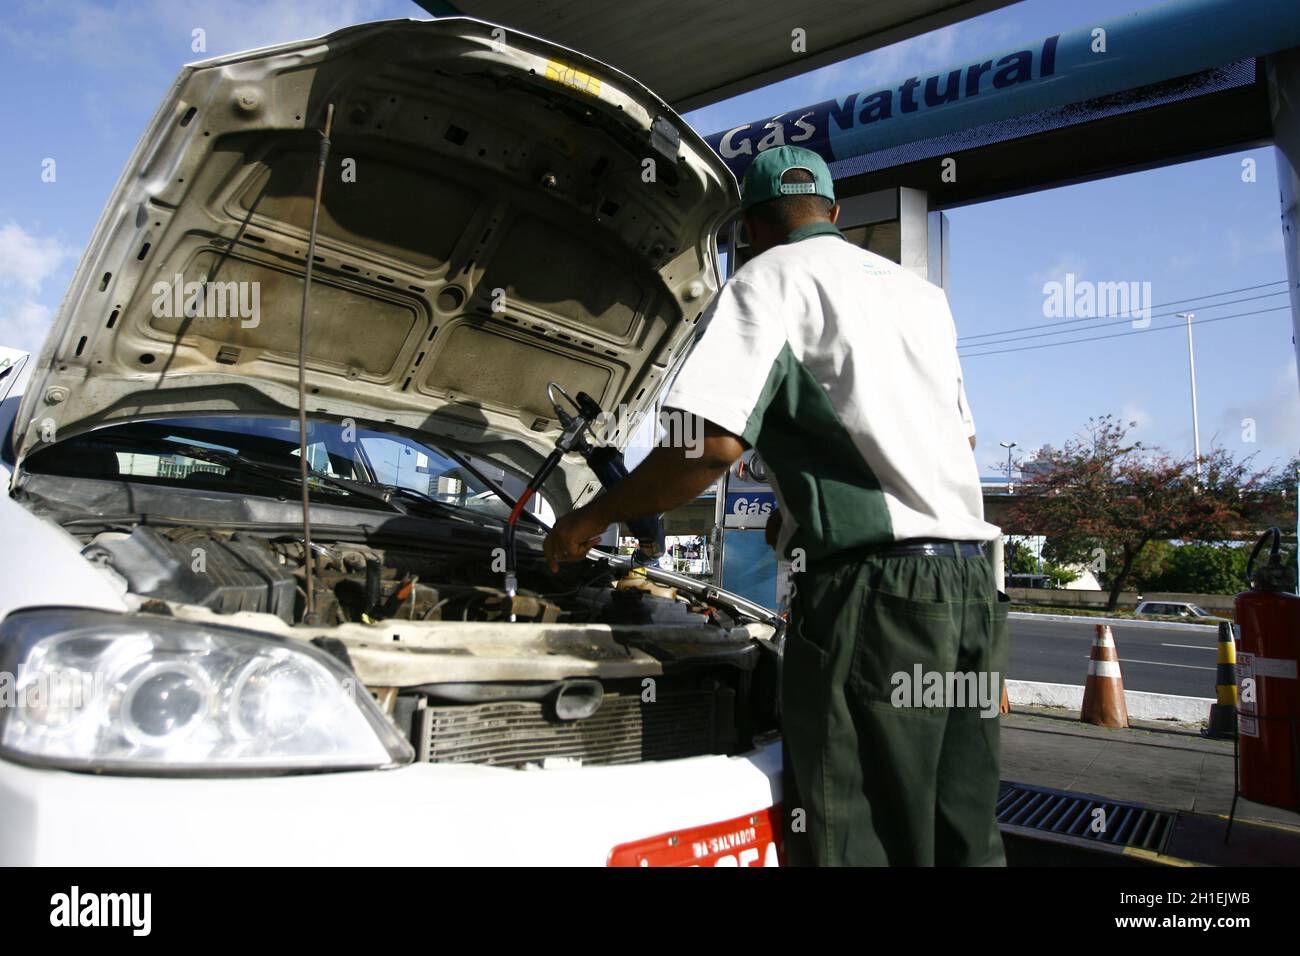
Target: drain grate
1074, 814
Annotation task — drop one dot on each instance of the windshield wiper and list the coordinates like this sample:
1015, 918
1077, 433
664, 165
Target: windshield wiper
383, 492
495, 488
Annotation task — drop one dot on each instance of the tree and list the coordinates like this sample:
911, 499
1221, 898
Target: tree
1020, 557
1059, 576
1104, 499
1282, 485
1203, 569
1150, 565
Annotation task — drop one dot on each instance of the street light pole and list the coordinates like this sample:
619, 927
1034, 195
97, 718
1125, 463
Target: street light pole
1008, 446
1191, 365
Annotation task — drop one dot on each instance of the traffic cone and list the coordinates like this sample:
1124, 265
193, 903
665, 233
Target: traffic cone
1103, 694
1005, 706
1223, 714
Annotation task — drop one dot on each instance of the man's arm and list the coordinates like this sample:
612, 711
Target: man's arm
668, 477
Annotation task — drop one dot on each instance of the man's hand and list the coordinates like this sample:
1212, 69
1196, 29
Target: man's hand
573, 536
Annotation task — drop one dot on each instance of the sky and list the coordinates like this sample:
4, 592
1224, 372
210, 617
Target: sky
85, 76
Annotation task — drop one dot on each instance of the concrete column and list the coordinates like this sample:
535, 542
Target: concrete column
997, 558
914, 222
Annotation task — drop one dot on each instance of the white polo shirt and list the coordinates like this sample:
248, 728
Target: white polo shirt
840, 367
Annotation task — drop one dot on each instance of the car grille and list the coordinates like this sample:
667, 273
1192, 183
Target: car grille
623, 730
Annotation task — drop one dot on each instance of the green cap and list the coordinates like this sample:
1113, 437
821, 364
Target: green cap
763, 178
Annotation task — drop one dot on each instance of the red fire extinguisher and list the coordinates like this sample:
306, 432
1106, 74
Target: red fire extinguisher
1268, 646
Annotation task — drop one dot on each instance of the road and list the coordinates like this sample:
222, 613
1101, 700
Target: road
1163, 660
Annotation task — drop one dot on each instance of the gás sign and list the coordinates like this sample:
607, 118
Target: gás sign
749, 509
843, 127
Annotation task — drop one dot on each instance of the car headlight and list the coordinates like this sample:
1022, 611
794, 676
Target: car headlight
136, 693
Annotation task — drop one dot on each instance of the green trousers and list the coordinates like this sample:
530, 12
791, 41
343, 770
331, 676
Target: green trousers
891, 681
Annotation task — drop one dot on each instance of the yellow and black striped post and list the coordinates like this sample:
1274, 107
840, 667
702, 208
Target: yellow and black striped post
1223, 713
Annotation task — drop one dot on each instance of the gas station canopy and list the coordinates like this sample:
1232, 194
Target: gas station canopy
693, 54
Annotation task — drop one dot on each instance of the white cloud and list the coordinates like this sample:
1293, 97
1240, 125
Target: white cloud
97, 33
234, 25
24, 323
1066, 262
1274, 415
1262, 245
1137, 414
917, 55
1183, 261
26, 262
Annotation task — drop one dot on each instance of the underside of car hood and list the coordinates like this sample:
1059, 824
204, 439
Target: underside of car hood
497, 213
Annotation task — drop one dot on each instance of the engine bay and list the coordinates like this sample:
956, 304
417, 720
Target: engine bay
233, 571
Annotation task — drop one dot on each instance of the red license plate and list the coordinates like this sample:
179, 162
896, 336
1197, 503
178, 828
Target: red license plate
753, 839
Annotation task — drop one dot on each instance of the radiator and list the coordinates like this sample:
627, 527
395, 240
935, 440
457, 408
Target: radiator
624, 729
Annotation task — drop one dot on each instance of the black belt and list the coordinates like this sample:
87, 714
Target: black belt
915, 548
954, 549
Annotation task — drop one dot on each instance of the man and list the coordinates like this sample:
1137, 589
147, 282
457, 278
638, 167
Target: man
841, 369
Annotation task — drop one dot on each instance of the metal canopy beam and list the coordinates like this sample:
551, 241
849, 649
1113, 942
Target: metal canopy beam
693, 54
1043, 82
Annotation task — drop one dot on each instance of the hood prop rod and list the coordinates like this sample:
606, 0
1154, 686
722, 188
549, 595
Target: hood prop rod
309, 610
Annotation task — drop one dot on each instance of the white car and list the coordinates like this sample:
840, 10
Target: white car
182, 678
1178, 609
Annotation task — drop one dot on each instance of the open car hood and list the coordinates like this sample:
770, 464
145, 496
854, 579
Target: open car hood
498, 213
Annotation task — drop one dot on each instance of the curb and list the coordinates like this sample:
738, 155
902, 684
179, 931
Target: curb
1143, 705
1130, 621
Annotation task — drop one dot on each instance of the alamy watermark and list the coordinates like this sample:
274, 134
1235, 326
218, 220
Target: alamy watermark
65, 690
133, 911
674, 428
1083, 299
947, 689
208, 300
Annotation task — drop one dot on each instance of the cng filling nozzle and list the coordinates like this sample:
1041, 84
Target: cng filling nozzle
605, 461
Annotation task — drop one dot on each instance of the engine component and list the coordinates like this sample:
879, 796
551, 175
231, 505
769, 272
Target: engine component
226, 574
636, 579
242, 571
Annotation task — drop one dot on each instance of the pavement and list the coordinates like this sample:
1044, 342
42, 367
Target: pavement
1160, 658
1160, 765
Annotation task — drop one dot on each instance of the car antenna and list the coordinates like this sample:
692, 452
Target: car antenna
309, 610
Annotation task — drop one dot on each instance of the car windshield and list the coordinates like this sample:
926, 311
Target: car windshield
261, 454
